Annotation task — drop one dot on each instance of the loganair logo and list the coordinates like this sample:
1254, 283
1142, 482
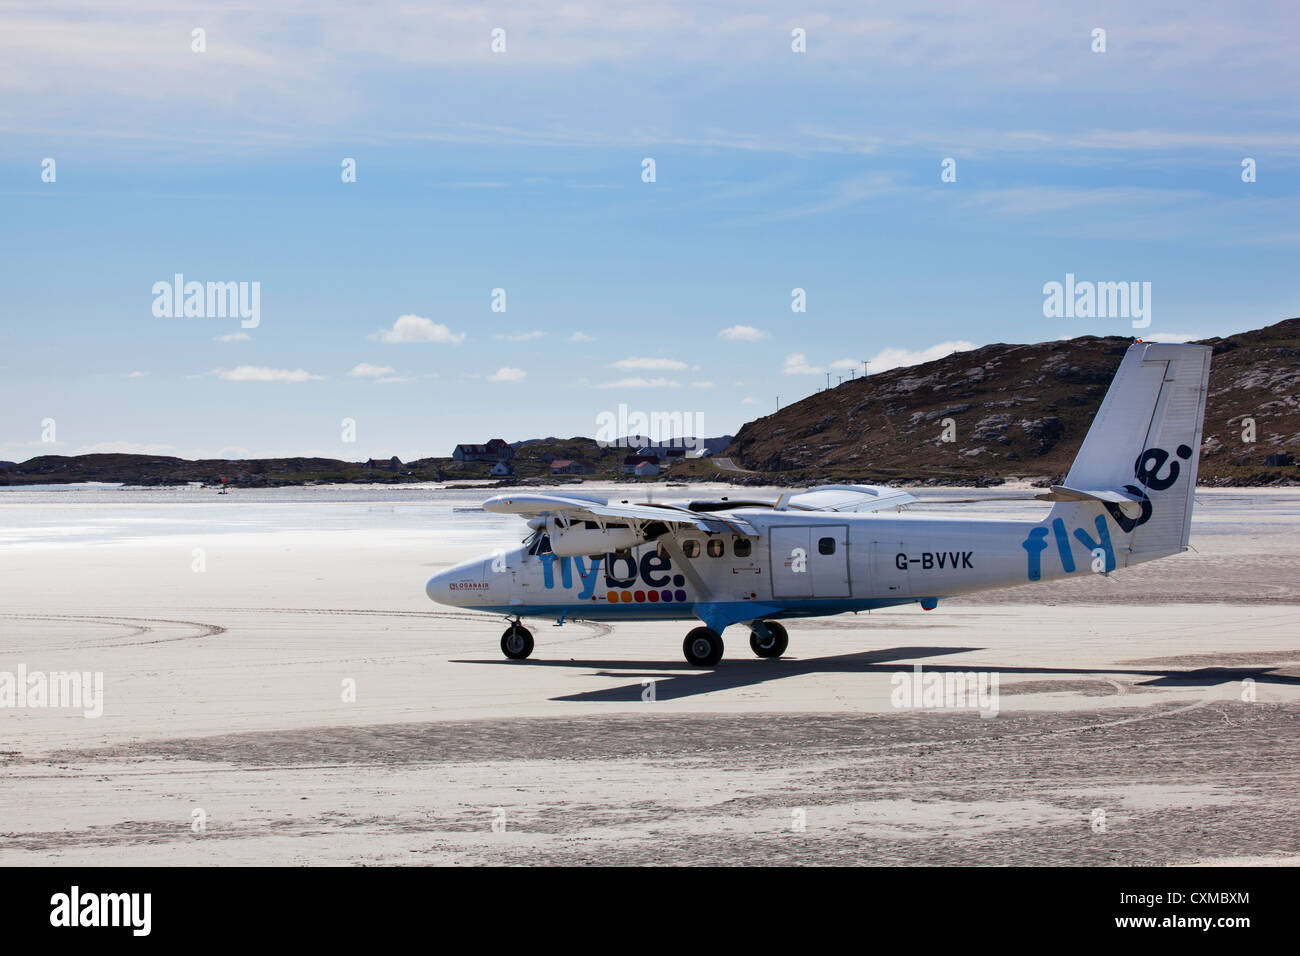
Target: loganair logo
621, 577
1147, 470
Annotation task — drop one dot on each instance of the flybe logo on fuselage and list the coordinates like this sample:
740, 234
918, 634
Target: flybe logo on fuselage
1146, 470
620, 571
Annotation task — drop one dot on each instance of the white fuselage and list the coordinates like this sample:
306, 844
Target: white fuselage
799, 564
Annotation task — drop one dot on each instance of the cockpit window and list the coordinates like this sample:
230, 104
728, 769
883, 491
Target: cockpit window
538, 543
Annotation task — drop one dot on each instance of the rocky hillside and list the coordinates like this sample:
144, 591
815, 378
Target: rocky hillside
164, 470
531, 464
1022, 411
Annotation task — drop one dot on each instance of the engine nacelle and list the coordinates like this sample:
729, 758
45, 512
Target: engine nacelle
587, 537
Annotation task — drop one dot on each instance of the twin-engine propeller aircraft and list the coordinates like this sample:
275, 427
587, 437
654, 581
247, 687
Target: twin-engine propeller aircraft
835, 548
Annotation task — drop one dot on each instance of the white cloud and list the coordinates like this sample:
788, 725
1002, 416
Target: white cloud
255, 373
507, 374
393, 379
136, 374
893, 358
742, 333
641, 383
415, 328
797, 364
518, 336
749, 401
658, 364
366, 370
33, 444
233, 337
581, 336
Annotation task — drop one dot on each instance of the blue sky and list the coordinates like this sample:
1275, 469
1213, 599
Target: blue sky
522, 171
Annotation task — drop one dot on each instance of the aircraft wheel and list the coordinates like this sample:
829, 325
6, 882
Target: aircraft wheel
517, 642
774, 645
703, 647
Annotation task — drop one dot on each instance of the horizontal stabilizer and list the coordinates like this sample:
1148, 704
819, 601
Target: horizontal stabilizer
1112, 495
849, 498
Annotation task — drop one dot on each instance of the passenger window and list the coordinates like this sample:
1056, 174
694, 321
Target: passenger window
691, 548
741, 548
715, 547
826, 546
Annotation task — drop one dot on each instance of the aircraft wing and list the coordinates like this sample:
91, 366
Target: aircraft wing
849, 498
590, 508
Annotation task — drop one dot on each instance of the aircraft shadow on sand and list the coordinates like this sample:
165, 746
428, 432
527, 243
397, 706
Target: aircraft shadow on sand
694, 682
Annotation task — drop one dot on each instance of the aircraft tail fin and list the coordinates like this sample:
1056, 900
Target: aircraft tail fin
1139, 458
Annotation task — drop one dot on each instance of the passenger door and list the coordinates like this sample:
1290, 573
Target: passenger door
810, 562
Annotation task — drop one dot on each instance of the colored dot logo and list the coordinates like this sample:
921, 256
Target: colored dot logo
666, 596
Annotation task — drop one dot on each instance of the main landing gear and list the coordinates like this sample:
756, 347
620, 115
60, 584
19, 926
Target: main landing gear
703, 646
517, 642
771, 644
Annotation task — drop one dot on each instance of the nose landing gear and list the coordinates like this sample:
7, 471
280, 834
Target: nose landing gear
517, 642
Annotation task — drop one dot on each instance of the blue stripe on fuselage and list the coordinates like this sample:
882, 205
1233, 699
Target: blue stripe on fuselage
735, 610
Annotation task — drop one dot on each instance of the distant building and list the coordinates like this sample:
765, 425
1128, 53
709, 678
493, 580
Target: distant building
1278, 460
501, 469
646, 469
495, 450
392, 464
565, 466
631, 461
662, 452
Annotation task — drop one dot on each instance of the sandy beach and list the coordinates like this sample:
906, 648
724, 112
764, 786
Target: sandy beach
1147, 718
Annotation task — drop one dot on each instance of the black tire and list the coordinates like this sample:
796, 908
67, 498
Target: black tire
703, 647
517, 642
774, 645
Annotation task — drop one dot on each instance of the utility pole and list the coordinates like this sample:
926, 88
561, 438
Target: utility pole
864, 367
828, 380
